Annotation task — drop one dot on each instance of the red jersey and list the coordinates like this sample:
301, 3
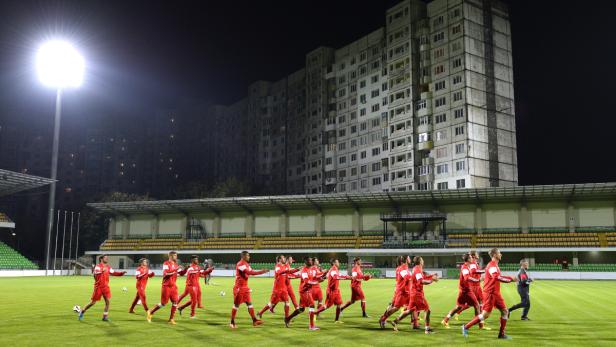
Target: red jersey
316, 272
192, 275
356, 277
418, 279
475, 272
242, 272
333, 278
101, 275
142, 274
280, 277
402, 279
465, 280
170, 273
307, 277
493, 278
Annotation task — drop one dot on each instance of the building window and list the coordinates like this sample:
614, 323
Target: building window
342, 146
438, 21
376, 181
459, 113
459, 130
328, 161
439, 69
440, 102
456, 29
341, 132
362, 154
353, 143
362, 83
439, 85
460, 183
376, 151
457, 96
376, 107
354, 157
342, 187
459, 148
353, 171
362, 112
376, 122
439, 37
342, 173
363, 169
353, 129
459, 166
442, 186
440, 118
441, 152
439, 53
421, 104
424, 170
457, 63
457, 79
353, 186
442, 169
423, 137
364, 184
342, 160
376, 167
353, 88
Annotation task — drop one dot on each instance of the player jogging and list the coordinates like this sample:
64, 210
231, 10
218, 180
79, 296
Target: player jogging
305, 294
317, 293
402, 294
241, 292
193, 287
142, 274
101, 286
169, 290
333, 290
279, 291
492, 296
357, 294
466, 295
417, 301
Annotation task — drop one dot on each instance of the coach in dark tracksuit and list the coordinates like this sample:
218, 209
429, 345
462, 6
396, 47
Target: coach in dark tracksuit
524, 281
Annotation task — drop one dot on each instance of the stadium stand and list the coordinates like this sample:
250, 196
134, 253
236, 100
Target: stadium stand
10, 259
293, 242
533, 239
4, 218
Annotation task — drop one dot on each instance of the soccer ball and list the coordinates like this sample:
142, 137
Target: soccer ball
124, 289
222, 293
77, 309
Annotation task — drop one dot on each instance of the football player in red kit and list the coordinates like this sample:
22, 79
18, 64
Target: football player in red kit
492, 295
101, 286
417, 301
290, 290
142, 274
466, 295
279, 292
333, 291
317, 293
241, 292
357, 294
169, 290
402, 294
193, 287
305, 294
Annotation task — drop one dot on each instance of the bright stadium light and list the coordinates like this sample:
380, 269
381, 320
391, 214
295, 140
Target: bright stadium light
59, 65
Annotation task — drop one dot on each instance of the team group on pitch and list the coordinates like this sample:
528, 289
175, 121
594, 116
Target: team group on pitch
408, 295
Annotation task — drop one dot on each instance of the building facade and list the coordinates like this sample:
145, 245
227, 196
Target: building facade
424, 103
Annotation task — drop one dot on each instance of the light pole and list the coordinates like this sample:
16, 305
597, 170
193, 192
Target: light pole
59, 66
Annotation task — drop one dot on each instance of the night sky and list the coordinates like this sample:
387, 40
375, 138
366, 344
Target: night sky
144, 55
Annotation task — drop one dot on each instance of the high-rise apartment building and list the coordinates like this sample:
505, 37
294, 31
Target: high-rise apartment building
424, 103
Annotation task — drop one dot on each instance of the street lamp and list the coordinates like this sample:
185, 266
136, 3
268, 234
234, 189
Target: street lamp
59, 66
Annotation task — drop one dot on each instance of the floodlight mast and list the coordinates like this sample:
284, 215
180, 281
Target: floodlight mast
59, 65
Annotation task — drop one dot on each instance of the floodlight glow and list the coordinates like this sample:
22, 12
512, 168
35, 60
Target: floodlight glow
59, 65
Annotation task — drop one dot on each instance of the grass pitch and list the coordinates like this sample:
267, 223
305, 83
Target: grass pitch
38, 312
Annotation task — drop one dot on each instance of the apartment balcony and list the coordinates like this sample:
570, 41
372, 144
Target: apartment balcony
424, 47
425, 95
426, 110
426, 79
427, 161
401, 149
425, 146
399, 102
402, 181
424, 128
399, 86
331, 180
401, 133
330, 126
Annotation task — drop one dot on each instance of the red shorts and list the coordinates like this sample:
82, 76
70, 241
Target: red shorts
279, 296
333, 298
169, 293
241, 295
305, 299
493, 300
478, 293
357, 294
418, 303
317, 293
101, 292
467, 298
401, 299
